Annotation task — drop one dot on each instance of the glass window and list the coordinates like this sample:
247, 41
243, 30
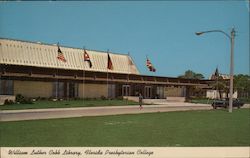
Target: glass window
58, 89
125, 90
147, 92
73, 90
6, 87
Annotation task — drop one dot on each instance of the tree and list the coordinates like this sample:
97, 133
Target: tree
220, 85
191, 75
242, 85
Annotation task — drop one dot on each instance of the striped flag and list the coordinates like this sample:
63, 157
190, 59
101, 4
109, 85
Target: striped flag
60, 55
110, 64
87, 58
150, 66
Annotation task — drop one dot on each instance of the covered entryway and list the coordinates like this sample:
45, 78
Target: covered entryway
111, 91
125, 90
148, 92
65, 90
160, 93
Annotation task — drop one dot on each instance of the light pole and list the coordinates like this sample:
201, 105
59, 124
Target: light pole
231, 62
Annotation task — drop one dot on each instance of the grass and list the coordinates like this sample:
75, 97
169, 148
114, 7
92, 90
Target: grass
209, 101
67, 104
190, 128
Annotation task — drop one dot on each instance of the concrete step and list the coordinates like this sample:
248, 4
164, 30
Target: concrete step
176, 99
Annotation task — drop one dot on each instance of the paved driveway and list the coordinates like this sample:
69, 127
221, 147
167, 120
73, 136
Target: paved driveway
34, 114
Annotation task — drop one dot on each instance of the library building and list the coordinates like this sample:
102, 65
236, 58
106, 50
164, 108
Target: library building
35, 69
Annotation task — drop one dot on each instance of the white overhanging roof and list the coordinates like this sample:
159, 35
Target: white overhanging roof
14, 52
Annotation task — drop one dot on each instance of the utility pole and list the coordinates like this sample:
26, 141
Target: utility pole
231, 71
231, 37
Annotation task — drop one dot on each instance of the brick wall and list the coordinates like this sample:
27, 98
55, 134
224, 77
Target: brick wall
92, 90
33, 88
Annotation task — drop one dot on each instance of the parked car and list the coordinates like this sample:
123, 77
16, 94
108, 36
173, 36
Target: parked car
225, 103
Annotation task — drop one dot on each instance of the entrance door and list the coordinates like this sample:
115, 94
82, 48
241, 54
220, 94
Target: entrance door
58, 90
64, 90
111, 91
160, 92
73, 90
125, 90
148, 92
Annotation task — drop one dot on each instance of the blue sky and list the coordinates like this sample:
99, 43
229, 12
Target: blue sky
162, 30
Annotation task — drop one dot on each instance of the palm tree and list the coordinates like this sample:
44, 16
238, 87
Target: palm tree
219, 84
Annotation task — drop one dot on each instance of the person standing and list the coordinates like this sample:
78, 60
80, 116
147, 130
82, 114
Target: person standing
140, 100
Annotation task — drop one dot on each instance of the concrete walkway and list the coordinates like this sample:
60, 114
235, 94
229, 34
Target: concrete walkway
34, 114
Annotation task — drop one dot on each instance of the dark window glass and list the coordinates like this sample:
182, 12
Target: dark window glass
6, 87
58, 89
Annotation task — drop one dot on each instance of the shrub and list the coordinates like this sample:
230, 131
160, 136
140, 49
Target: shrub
43, 98
87, 98
22, 100
26, 101
19, 98
8, 102
77, 98
120, 98
103, 97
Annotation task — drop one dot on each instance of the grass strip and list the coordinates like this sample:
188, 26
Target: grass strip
189, 128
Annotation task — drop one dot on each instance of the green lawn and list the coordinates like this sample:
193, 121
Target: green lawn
67, 104
190, 128
209, 101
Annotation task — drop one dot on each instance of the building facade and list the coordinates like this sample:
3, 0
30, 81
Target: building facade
33, 70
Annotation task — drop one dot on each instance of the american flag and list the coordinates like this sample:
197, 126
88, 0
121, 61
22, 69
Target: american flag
150, 66
110, 64
87, 58
60, 55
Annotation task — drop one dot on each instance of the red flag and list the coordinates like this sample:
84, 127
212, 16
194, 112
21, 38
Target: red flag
150, 66
110, 65
87, 58
60, 55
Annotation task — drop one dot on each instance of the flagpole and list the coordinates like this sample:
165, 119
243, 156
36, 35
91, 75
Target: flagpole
128, 76
61, 57
83, 81
57, 83
217, 80
107, 76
